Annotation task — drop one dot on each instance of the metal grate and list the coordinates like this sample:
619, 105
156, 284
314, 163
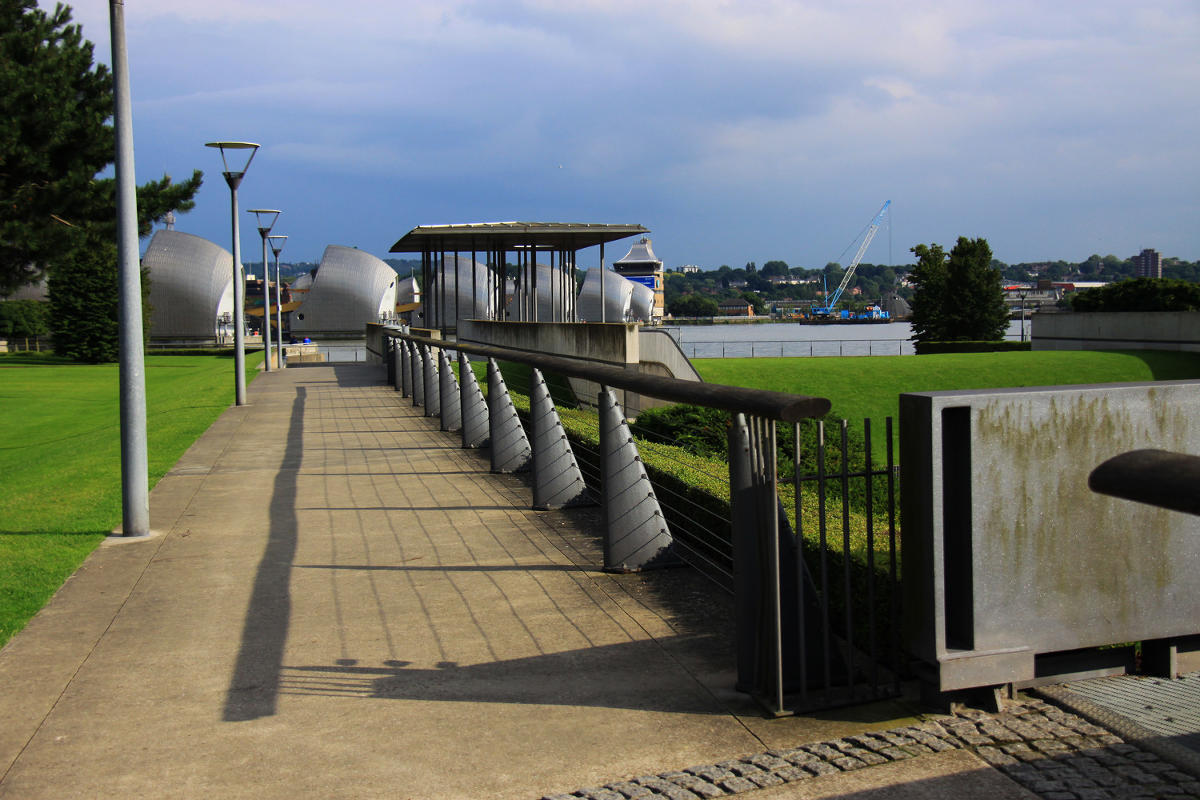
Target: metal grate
1167, 707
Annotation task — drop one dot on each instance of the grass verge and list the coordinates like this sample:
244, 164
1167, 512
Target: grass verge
60, 454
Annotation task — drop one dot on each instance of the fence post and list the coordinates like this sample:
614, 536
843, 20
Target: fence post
510, 445
418, 374
433, 401
635, 532
473, 409
389, 358
557, 481
405, 369
451, 406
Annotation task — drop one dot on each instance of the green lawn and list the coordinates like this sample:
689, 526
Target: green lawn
60, 458
870, 386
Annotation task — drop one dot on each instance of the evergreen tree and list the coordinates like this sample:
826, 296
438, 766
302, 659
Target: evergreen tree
54, 139
958, 296
84, 298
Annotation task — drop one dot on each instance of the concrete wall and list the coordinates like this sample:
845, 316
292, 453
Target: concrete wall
1130, 330
614, 343
1008, 556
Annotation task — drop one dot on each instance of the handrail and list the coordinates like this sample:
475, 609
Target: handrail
758, 402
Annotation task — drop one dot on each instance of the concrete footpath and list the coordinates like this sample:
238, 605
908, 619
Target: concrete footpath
340, 602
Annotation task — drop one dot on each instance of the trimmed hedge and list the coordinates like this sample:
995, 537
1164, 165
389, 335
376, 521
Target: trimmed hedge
927, 348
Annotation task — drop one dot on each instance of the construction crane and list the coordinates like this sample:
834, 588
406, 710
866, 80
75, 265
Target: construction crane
872, 229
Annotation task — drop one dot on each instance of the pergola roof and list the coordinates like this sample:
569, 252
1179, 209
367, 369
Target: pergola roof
489, 236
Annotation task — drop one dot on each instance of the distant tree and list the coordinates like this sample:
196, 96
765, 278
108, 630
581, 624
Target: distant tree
931, 280
1140, 294
750, 267
84, 300
693, 305
24, 318
774, 268
760, 307
55, 138
957, 297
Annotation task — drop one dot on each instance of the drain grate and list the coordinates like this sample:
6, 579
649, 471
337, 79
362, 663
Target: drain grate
1169, 708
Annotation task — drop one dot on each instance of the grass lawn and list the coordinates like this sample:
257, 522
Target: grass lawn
869, 386
60, 455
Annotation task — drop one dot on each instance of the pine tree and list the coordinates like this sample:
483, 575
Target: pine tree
55, 137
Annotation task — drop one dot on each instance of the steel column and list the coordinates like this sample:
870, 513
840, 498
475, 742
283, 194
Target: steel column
433, 401
557, 481
405, 369
510, 445
635, 532
451, 406
473, 408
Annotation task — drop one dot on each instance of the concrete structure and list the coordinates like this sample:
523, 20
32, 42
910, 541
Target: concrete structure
1010, 560
1126, 330
191, 289
641, 266
502, 245
350, 289
1148, 264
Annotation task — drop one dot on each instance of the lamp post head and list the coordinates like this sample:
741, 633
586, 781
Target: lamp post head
276, 241
266, 219
234, 176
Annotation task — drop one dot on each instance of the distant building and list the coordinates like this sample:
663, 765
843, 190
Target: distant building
736, 308
686, 268
641, 266
350, 289
1148, 264
191, 289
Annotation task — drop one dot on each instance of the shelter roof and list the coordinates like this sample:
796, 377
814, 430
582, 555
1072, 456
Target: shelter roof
486, 236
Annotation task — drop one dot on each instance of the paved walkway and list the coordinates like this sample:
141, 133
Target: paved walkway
340, 602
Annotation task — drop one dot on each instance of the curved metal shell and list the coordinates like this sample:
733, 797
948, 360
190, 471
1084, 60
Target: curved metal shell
191, 286
351, 288
618, 293
641, 304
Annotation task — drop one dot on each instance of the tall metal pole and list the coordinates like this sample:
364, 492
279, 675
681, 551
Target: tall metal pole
278, 303
135, 481
239, 296
266, 326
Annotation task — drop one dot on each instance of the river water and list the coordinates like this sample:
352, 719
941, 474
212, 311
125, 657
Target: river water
792, 339
757, 340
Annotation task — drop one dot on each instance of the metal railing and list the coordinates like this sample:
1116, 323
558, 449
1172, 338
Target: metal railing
794, 348
751, 551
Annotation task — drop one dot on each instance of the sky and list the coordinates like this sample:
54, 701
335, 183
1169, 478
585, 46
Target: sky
735, 130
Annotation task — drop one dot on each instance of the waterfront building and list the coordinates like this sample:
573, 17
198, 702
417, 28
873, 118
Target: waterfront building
640, 265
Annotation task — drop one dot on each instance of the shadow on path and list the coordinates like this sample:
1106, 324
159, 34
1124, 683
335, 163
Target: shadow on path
254, 689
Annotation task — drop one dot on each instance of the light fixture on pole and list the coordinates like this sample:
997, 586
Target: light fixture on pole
233, 177
266, 220
277, 241
1021, 295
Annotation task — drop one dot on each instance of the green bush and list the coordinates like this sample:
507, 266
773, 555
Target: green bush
24, 319
1140, 294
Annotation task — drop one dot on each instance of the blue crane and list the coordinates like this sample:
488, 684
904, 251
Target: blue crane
872, 229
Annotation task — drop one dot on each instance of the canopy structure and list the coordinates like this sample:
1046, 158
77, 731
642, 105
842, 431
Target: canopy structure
495, 241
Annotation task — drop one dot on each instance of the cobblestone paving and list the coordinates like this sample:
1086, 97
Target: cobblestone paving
1054, 754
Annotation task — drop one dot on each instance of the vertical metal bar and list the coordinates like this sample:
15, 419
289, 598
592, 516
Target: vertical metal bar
846, 587
893, 584
868, 490
770, 494
533, 287
474, 289
457, 294
799, 566
823, 540
603, 297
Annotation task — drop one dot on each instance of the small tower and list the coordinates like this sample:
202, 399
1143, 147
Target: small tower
640, 266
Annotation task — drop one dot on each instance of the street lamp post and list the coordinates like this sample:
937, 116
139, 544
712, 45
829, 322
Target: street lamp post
277, 241
266, 220
1021, 295
233, 177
